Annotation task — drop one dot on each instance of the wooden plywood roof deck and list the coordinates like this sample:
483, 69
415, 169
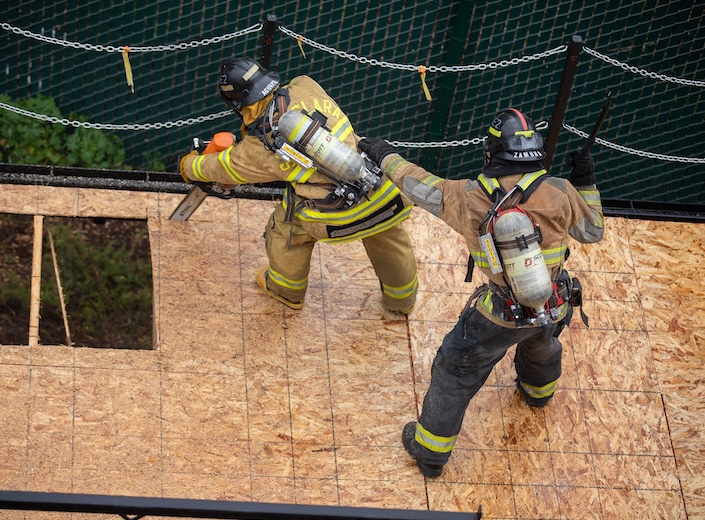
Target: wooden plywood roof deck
244, 399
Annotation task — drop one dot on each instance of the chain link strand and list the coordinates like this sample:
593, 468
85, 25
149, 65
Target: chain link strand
351, 57
110, 126
645, 73
415, 68
121, 48
633, 151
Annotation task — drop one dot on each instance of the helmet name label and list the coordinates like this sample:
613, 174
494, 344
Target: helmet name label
527, 154
270, 86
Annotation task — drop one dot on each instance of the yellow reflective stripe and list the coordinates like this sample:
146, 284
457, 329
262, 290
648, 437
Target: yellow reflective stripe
401, 292
294, 135
539, 392
431, 180
591, 197
342, 129
480, 259
487, 302
495, 132
393, 165
381, 197
197, 171
279, 279
489, 183
224, 160
525, 133
299, 175
528, 178
382, 226
433, 442
554, 255
594, 202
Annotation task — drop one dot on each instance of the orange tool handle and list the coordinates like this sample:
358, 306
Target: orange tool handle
220, 142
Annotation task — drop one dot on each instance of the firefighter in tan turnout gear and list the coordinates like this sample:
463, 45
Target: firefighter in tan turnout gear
517, 222
317, 205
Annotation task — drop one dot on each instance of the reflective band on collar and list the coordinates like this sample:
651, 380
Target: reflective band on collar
528, 178
434, 442
489, 183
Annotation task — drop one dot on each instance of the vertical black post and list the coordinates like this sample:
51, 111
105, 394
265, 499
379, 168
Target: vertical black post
270, 27
566, 85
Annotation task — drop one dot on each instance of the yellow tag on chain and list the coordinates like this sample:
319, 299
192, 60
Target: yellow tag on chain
128, 69
422, 71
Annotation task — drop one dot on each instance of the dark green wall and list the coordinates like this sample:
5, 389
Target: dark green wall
660, 117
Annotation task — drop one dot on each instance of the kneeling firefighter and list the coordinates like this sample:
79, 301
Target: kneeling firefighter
297, 133
517, 221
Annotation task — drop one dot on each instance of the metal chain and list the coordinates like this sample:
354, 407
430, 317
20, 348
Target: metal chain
109, 126
111, 48
415, 68
350, 56
541, 125
646, 73
640, 153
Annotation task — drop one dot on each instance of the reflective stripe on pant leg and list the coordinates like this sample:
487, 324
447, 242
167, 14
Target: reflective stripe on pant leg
538, 360
436, 443
392, 256
288, 266
539, 392
403, 292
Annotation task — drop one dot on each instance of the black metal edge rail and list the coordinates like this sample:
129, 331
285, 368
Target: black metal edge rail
165, 182
138, 507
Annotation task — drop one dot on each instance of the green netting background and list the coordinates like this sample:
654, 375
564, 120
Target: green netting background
660, 117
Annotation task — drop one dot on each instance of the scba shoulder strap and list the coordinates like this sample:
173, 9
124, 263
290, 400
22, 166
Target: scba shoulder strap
497, 194
262, 127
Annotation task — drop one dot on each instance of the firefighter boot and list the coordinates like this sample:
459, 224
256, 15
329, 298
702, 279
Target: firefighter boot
262, 277
407, 439
534, 402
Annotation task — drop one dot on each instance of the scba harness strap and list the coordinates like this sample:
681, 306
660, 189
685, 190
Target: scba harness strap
500, 300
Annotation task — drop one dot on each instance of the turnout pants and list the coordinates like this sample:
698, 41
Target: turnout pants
463, 363
390, 252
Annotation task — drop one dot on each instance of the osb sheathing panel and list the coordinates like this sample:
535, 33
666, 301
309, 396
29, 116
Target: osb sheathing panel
244, 399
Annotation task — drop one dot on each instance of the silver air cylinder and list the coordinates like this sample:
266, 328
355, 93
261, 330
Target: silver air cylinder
330, 153
523, 260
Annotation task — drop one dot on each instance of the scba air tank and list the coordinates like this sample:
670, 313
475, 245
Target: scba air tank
330, 153
524, 265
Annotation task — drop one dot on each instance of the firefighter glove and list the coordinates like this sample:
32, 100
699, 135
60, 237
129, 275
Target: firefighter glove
377, 149
182, 168
583, 173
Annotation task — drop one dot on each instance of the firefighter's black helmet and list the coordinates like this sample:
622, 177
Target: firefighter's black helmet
512, 136
243, 81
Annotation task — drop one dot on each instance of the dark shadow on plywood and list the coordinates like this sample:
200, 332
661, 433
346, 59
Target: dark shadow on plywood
104, 287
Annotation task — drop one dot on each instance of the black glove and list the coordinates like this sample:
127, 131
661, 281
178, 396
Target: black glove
376, 149
583, 173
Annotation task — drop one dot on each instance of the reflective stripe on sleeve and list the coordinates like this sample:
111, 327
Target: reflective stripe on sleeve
224, 160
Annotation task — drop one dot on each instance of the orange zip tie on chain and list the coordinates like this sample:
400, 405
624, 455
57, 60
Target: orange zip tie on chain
422, 71
301, 47
128, 68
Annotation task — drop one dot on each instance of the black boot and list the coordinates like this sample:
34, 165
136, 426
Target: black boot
407, 439
534, 402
